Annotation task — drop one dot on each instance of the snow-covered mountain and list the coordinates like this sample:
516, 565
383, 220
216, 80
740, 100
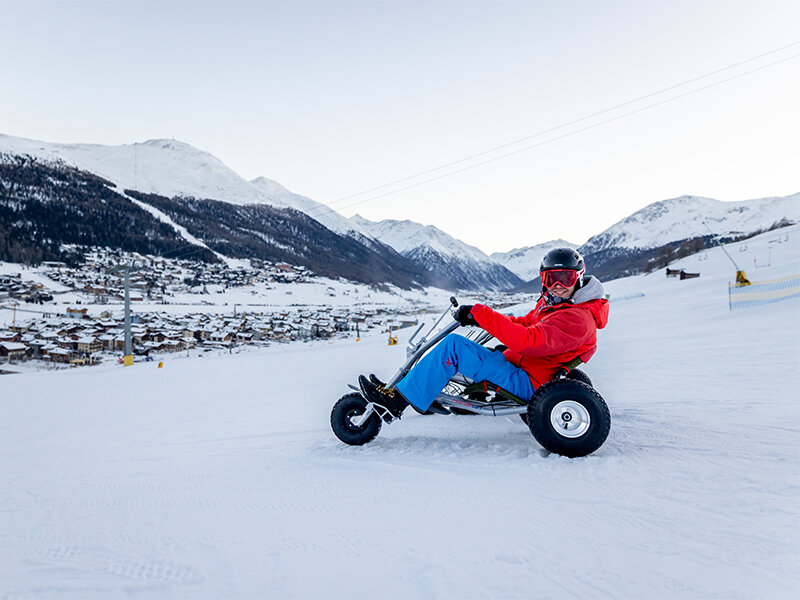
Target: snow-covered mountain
683, 218
524, 262
628, 246
452, 261
280, 196
172, 168
161, 176
164, 167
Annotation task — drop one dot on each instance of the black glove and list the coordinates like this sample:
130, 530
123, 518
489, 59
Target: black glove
500, 348
464, 316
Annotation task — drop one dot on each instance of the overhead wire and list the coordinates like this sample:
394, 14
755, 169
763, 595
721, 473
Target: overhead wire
329, 209
193, 248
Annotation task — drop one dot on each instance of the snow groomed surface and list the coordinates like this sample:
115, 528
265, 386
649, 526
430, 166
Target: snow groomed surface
219, 477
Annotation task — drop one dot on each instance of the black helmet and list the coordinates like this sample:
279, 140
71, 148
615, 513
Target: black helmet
564, 258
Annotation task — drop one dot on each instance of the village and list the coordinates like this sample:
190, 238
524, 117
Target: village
66, 316
80, 339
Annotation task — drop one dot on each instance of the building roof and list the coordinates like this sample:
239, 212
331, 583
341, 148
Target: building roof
13, 346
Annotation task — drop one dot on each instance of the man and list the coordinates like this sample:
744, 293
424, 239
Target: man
563, 326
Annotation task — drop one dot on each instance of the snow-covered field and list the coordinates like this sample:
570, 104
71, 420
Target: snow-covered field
219, 477
259, 297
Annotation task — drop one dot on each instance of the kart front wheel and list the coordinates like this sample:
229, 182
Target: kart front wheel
569, 418
343, 416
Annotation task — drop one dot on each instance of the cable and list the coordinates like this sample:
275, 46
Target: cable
506, 155
550, 130
640, 98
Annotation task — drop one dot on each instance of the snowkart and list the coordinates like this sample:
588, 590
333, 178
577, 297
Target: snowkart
566, 415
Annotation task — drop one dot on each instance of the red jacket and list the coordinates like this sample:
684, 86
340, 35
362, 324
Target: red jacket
548, 336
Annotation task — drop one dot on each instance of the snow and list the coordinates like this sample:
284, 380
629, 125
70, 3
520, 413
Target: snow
12, 346
31, 274
276, 296
316, 210
524, 262
219, 476
173, 168
182, 231
691, 216
407, 235
166, 167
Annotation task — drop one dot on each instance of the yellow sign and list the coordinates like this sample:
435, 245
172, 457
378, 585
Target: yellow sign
127, 360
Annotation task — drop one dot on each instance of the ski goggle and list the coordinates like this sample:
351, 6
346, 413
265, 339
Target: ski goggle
565, 277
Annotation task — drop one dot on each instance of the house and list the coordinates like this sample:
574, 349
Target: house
113, 341
38, 347
95, 290
89, 344
77, 313
12, 350
220, 336
157, 336
67, 343
59, 355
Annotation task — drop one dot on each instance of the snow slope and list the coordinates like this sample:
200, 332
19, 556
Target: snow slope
166, 167
404, 236
433, 249
280, 196
682, 218
173, 168
524, 262
219, 477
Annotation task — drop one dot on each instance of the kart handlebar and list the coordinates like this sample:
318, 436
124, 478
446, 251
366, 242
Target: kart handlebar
411, 346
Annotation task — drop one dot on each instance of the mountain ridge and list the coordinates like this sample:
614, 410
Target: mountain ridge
175, 170
445, 257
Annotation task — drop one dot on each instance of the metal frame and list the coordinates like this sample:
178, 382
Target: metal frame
492, 407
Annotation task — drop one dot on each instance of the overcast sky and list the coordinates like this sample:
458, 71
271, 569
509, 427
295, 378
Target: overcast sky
334, 98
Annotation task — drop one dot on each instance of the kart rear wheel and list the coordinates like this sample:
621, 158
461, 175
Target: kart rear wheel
348, 408
575, 374
579, 375
569, 418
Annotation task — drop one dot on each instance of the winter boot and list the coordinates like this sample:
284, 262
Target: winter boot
435, 407
390, 399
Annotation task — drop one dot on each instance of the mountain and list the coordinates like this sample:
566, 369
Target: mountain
659, 229
278, 195
451, 263
165, 167
173, 170
151, 197
46, 204
683, 218
524, 262
261, 231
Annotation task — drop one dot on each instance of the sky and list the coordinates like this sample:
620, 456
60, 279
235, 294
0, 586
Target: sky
334, 99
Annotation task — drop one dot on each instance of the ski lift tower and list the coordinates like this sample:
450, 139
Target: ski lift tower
741, 277
127, 357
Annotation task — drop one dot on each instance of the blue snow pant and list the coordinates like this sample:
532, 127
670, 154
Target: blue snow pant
456, 354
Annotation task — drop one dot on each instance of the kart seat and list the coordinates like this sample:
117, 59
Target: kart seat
488, 391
